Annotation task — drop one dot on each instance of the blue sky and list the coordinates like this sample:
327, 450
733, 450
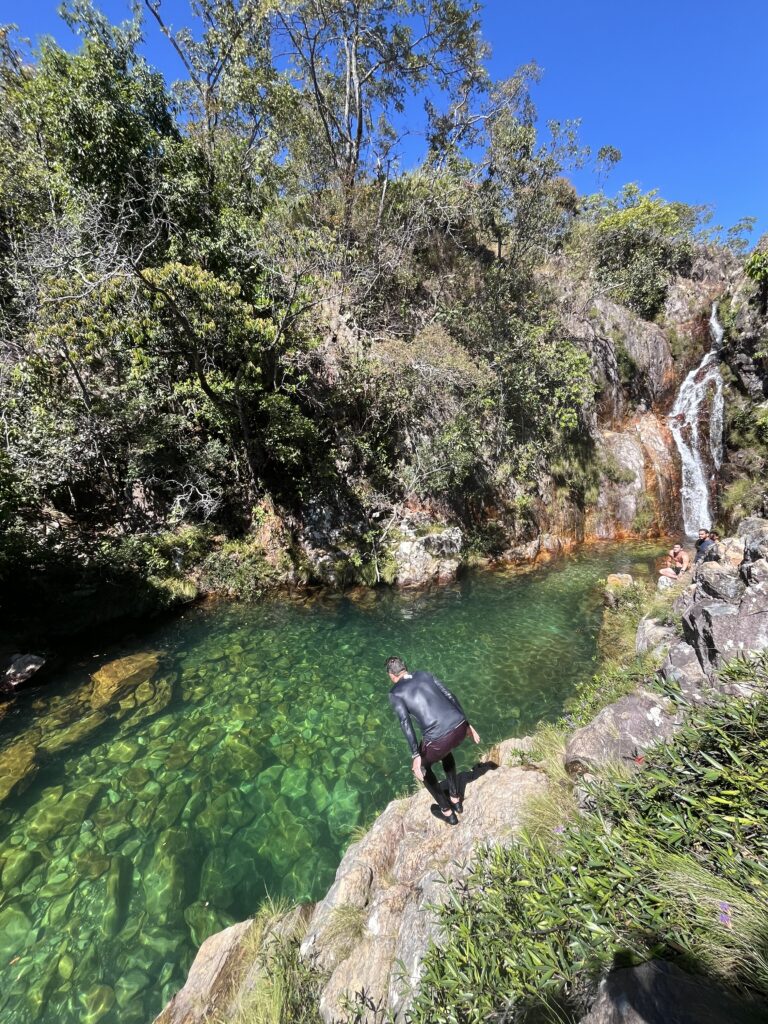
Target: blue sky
678, 86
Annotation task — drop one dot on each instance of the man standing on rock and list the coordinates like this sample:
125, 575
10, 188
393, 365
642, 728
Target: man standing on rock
443, 724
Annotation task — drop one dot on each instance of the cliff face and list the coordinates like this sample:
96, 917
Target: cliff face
624, 483
371, 931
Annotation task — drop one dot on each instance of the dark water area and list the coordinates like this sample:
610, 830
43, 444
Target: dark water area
253, 742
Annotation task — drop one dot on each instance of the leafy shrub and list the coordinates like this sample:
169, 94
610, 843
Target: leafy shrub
645, 516
743, 497
239, 570
673, 862
638, 243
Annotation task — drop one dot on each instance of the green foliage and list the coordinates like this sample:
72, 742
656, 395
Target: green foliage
645, 516
638, 241
671, 862
756, 267
613, 472
611, 683
238, 569
228, 292
287, 988
743, 497
746, 428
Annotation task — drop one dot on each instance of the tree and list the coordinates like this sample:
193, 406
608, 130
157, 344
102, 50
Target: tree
525, 202
357, 64
638, 241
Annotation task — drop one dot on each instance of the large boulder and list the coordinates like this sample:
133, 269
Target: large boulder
754, 532
658, 992
755, 572
19, 669
621, 732
374, 926
731, 551
432, 558
720, 580
682, 667
720, 631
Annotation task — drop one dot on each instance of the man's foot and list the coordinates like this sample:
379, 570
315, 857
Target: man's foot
448, 815
458, 804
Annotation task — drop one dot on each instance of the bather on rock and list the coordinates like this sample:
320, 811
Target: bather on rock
679, 562
703, 545
443, 725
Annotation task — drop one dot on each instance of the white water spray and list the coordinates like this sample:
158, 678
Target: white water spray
699, 409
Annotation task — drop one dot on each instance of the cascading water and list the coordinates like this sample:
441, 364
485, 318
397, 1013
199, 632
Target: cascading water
696, 422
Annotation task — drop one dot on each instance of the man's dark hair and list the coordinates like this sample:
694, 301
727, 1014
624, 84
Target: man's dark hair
395, 666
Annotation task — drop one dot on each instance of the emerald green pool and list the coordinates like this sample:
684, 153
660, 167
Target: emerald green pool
147, 817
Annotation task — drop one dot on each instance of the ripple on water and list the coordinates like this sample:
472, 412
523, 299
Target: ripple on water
147, 818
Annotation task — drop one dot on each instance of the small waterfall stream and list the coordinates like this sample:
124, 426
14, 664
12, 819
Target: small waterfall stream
696, 422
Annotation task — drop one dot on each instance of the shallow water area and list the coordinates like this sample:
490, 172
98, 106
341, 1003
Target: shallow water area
235, 760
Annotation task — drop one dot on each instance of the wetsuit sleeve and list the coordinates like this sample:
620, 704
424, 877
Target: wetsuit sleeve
398, 706
451, 697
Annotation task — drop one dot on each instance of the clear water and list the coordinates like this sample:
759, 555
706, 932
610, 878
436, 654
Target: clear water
241, 767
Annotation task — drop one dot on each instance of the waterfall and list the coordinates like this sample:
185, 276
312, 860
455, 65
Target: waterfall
698, 410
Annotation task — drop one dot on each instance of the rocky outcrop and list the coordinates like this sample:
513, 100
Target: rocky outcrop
18, 670
430, 558
617, 341
639, 480
622, 732
227, 969
659, 992
724, 613
372, 929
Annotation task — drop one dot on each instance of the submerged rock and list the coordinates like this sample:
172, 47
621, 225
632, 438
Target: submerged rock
18, 761
121, 674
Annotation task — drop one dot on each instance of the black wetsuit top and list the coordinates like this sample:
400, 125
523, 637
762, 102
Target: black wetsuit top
703, 550
434, 708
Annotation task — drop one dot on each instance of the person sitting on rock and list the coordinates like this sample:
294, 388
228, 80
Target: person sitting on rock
679, 562
440, 717
703, 545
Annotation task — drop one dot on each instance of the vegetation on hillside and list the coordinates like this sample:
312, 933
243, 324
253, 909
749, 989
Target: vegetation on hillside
230, 296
